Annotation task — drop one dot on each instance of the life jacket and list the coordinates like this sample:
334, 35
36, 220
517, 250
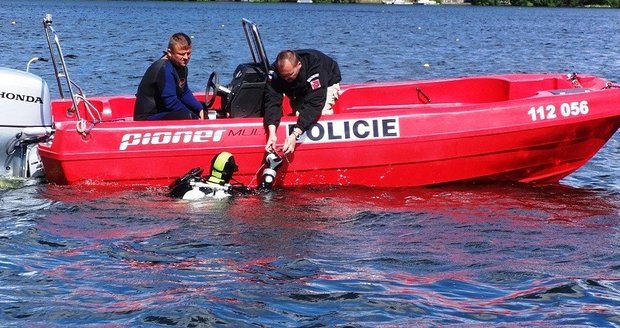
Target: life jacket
222, 168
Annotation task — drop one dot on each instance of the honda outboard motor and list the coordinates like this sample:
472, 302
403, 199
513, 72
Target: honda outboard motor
25, 120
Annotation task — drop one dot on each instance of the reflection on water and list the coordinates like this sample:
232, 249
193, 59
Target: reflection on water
329, 256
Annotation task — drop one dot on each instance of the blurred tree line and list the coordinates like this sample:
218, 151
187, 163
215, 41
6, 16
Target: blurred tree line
549, 3
524, 3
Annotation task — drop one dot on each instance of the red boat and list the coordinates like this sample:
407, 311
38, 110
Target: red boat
534, 128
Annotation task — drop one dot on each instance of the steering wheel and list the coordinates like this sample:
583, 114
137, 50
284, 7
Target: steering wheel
211, 90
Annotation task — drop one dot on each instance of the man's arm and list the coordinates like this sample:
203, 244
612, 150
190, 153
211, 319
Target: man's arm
311, 108
273, 105
168, 90
190, 101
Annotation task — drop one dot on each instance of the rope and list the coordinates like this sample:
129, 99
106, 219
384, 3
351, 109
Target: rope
91, 110
255, 174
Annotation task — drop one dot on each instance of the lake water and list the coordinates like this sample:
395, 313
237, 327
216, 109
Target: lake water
482, 255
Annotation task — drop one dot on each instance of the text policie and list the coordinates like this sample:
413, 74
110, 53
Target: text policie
217, 185
351, 130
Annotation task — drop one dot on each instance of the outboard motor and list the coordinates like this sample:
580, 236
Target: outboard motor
25, 120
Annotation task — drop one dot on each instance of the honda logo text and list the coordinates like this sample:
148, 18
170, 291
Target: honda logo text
19, 97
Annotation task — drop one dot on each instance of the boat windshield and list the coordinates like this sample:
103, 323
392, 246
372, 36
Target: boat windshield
255, 43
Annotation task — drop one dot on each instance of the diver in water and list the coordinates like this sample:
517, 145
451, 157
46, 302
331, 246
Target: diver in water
217, 185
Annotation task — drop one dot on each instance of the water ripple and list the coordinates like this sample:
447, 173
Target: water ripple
461, 255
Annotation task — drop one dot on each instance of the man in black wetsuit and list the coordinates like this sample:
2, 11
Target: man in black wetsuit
311, 80
163, 93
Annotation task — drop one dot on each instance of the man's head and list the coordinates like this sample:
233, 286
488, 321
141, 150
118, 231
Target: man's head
179, 49
288, 65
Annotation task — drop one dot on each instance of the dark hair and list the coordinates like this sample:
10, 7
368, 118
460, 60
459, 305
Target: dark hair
181, 40
286, 55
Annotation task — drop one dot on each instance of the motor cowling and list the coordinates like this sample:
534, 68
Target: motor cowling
24, 99
25, 120
246, 92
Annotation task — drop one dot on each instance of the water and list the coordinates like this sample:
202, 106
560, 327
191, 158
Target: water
487, 255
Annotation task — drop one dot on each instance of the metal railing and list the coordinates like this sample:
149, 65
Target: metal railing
60, 71
255, 43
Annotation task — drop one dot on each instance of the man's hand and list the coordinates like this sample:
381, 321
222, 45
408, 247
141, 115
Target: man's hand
291, 140
289, 144
271, 140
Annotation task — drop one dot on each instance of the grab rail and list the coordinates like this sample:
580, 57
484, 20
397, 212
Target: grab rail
255, 43
55, 49
50, 34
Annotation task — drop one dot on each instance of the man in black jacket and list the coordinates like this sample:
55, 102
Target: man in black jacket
311, 80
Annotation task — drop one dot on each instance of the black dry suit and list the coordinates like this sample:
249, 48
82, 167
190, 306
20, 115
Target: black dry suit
193, 186
217, 185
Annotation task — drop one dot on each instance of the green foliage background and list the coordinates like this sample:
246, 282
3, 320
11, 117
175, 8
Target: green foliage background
551, 3
523, 3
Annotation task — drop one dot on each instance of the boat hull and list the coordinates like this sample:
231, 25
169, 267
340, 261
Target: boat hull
375, 138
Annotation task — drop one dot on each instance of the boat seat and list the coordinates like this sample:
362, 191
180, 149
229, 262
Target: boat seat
119, 107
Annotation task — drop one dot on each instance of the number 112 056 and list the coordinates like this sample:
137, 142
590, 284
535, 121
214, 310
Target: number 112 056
549, 112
